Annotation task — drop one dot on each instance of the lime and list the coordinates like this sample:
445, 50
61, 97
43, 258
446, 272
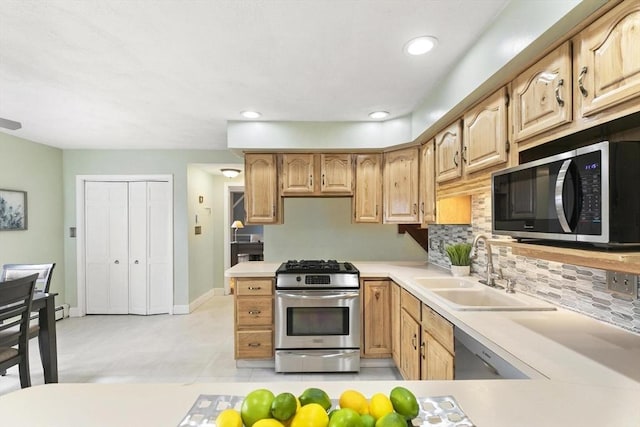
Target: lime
380, 405
256, 406
345, 417
284, 406
315, 395
354, 400
267, 422
310, 415
404, 403
368, 420
392, 419
229, 418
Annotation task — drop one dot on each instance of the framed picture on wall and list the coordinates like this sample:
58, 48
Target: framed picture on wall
13, 210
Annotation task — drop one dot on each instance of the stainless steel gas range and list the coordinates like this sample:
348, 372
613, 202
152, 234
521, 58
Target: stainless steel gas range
317, 317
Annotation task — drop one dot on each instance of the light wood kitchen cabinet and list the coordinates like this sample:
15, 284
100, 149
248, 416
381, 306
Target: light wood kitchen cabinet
484, 133
410, 336
262, 202
400, 189
607, 69
448, 144
376, 318
437, 363
542, 95
427, 183
367, 201
253, 315
395, 323
312, 174
437, 348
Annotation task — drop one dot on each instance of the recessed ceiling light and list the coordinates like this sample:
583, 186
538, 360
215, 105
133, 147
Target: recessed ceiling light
250, 114
379, 114
420, 45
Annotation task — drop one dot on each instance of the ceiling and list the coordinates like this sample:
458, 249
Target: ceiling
169, 74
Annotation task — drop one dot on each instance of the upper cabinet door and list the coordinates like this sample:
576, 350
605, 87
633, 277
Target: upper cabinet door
297, 174
428, 183
485, 133
448, 144
542, 95
336, 174
401, 179
367, 202
261, 189
608, 66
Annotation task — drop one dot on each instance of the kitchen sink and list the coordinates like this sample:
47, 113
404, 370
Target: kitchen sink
445, 283
487, 299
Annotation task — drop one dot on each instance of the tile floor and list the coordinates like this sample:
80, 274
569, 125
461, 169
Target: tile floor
197, 347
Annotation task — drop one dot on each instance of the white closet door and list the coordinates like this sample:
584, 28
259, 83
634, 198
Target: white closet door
138, 229
159, 246
106, 247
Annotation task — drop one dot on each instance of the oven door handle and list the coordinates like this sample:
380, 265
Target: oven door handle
324, 296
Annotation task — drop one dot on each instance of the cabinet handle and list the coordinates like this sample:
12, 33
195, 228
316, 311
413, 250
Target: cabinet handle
376, 210
414, 342
254, 288
422, 207
253, 344
274, 210
464, 154
422, 352
583, 91
311, 180
455, 158
377, 294
560, 100
254, 312
415, 208
323, 180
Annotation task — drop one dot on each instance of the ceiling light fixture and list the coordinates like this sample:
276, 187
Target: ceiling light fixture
379, 115
420, 45
230, 173
250, 114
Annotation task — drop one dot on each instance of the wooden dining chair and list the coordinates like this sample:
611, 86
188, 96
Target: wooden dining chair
16, 297
14, 271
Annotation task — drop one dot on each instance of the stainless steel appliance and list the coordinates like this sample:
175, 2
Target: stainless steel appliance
317, 317
586, 195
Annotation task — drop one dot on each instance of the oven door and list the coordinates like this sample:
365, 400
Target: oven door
307, 319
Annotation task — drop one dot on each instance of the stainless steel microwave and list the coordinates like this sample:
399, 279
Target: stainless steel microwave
591, 195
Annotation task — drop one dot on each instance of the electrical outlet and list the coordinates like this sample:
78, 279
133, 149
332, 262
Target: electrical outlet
623, 283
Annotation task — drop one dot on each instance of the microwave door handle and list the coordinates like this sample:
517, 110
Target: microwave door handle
559, 202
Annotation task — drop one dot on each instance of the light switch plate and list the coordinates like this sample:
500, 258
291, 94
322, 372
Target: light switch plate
623, 283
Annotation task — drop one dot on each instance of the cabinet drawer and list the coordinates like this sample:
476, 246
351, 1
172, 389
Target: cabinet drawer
251, 286
410, 303
438, 327
254, 344
254, 311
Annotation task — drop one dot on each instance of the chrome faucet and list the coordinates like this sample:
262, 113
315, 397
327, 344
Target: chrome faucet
491, 274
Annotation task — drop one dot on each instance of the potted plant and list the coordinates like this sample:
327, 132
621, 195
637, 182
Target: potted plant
458, 254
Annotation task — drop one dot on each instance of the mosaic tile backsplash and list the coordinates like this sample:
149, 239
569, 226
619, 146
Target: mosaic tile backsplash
573, 287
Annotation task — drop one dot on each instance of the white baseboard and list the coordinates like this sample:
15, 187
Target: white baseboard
186, 309
75, 312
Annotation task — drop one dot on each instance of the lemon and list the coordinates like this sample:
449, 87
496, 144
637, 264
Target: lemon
355, 400
315, 395
404, 402
256, 406
345, 417
380, 405
392, 419
310, 415
368, 420
284, 406
229, 418
267, 422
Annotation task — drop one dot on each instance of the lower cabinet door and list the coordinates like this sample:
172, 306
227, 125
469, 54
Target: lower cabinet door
254, 344
439, 362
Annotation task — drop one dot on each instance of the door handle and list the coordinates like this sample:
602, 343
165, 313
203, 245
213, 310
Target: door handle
562, 175
136, 262
116, 262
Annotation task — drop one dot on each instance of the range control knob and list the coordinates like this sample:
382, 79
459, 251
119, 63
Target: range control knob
298, 279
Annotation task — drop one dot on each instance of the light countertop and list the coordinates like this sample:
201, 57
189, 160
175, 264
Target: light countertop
560, 345
488, 403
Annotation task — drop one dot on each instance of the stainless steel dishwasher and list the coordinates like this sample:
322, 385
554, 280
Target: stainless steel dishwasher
474, 361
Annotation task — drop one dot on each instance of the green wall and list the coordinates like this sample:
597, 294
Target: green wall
130, 162
36, 169
321, 228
